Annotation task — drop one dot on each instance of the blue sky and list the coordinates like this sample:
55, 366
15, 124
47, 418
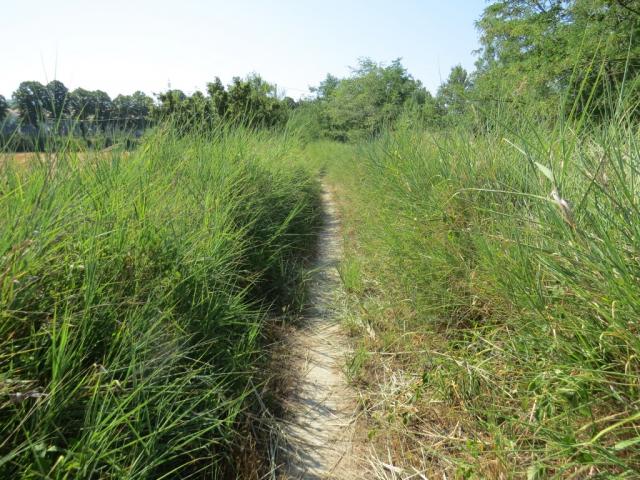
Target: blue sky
124, 45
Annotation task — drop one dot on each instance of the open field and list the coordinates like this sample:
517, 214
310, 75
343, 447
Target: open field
19, 158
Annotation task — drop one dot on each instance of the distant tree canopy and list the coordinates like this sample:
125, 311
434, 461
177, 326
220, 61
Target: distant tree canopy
453, 93
57, 101
85, 105
4, 108
250, 101
30, 99
254, 101
584, 54
363, 103
132, 111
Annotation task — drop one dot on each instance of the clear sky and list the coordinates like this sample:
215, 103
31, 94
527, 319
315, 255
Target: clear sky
125, 45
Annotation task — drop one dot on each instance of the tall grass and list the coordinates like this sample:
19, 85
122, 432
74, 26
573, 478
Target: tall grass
134, 287
499, 300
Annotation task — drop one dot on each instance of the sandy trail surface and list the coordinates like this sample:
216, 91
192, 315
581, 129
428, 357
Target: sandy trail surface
320, 428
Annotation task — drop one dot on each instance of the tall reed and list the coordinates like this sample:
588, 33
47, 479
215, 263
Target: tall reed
134, 287
499, 300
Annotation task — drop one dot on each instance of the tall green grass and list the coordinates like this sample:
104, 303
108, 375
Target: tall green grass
134, 287
500, 298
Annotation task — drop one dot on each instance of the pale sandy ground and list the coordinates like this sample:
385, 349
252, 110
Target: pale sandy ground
320, 430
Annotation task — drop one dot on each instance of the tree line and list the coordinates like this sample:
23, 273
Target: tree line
534, 54
37, 112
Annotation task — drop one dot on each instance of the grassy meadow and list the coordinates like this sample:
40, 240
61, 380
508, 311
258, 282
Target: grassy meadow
493, 284
153, 249
134, 292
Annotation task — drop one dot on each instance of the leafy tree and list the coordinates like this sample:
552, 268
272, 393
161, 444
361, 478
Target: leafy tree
170, 102
199, 111
30, 99
544, 51
103, 107
219, 97
57, 101
453, 94
81, 104
251, 101
373, 96
326, 87
90, 107
254, 101
187, 112
4, 108
132, 111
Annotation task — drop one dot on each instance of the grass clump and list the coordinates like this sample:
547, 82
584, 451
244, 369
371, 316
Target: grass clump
499, 306
134, 287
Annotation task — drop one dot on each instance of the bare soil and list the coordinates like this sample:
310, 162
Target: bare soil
318, 435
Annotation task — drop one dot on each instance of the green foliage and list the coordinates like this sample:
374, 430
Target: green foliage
170, 102
133, 296
219, 97
453, 94
498, 297
4, 108
578, 51
30, 99
326, 88
250, 102
57, 102
132, 111
85, 104
359, 106
48, 113
254, 102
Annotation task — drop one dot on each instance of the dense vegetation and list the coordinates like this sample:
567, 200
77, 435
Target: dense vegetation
492, 249
491, 265
43, 116
133, 294
496, 299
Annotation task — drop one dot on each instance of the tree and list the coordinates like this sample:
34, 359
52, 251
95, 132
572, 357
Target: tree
545, 51
4, 108
30, 98
170, 102
453, 94
81, 104
57, 101
219, 97
132, 111
103, 107
373, 96
326, 87
188, 113
90, 107
254, 102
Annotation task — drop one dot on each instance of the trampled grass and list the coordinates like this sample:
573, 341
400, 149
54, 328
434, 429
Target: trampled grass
133, 293
498, 299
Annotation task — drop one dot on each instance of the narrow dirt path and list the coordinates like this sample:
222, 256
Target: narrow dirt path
322, 409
